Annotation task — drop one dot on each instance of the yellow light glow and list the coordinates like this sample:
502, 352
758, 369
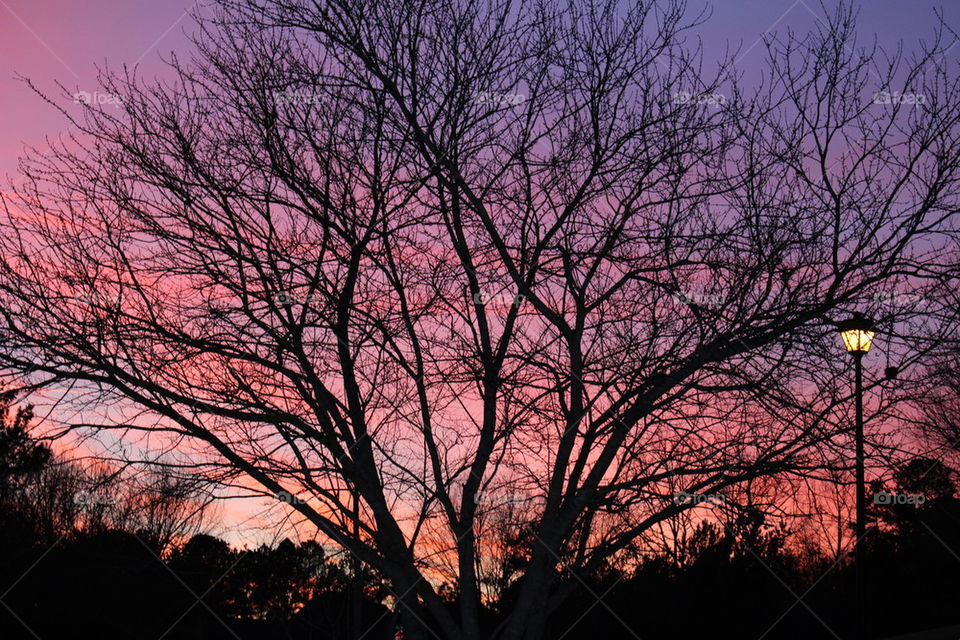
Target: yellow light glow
857, 340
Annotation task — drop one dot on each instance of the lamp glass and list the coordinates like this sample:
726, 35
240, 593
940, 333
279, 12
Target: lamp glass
857, 340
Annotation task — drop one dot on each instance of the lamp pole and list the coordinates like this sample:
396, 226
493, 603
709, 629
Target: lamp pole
857, 334
858, 550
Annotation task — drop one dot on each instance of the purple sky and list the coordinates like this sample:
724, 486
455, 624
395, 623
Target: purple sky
64, 40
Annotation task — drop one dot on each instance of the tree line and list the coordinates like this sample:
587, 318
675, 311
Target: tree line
69, 559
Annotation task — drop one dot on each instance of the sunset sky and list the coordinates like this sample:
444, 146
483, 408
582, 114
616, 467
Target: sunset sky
61, 41
51, 41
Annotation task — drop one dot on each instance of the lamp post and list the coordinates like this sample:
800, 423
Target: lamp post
857, 334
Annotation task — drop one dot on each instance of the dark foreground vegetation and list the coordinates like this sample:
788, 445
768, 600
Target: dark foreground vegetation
73, 565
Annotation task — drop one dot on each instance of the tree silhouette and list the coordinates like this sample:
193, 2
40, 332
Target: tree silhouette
20, 454
382, 259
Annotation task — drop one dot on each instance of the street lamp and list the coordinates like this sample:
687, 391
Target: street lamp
857, 334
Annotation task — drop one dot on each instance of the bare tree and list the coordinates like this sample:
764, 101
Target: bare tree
935, 416
59, 496
162, 505
383, 258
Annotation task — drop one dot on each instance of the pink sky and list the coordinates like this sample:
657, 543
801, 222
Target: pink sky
65, 40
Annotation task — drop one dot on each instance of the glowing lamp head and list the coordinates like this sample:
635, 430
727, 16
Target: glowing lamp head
857, 333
